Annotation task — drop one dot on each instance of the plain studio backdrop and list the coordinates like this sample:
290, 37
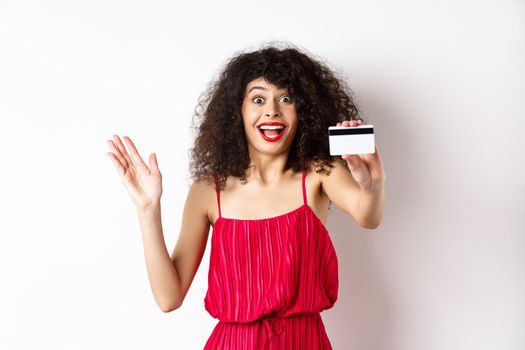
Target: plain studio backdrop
442, 82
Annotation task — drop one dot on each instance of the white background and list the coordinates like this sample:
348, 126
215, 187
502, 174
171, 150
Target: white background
442, 81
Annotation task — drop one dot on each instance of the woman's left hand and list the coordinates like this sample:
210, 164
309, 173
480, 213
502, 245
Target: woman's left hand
367, 169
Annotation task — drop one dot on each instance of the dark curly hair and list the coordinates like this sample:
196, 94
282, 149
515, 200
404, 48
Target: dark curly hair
322, 99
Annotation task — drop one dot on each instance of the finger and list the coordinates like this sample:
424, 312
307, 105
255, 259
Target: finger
153, 164
117, 153
122, 149
352, 161
118, 164
135, 154
358, 169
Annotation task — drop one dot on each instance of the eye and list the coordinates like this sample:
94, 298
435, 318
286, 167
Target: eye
287, 99
257, 99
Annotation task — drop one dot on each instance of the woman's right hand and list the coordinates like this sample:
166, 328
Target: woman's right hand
143, 184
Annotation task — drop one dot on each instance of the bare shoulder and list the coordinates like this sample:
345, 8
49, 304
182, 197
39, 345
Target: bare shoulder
202, 193
314, 178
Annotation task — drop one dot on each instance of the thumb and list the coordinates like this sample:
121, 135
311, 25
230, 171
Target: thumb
154, 166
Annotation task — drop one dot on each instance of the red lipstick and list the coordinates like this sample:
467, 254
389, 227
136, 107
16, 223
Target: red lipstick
273, 138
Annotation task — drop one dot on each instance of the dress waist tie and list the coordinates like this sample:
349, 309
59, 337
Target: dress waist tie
274, 325
271, 331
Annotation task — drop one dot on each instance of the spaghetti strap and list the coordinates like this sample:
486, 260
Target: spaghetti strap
304, 188
218, 194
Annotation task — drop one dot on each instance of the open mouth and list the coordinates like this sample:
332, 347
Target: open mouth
271, 133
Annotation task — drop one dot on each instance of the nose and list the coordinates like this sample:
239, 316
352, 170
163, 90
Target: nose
272, 110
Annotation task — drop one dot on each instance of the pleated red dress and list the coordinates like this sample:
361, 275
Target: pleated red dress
269, 279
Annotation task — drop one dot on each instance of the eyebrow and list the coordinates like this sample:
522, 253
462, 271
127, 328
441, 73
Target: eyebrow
261, 88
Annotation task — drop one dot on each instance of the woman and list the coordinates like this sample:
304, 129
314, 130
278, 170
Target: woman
263, 178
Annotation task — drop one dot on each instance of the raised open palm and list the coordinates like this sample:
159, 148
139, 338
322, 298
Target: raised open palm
143, 184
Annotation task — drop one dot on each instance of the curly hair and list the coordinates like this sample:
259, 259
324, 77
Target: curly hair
322, 99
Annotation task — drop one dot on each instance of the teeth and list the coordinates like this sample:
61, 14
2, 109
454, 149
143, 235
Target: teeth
268, 127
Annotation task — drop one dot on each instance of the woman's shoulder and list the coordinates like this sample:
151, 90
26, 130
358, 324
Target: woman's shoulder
204, 184
204, 187
204, 191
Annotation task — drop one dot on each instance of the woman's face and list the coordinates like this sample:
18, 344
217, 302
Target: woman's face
265, 104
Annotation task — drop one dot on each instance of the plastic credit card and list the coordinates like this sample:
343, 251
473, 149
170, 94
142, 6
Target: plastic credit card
351, 139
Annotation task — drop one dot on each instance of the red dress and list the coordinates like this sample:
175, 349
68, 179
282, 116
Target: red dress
269, 279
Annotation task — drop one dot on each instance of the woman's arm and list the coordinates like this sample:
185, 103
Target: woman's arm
191, 244
370, 204
365, 206
163, 276
171, 277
